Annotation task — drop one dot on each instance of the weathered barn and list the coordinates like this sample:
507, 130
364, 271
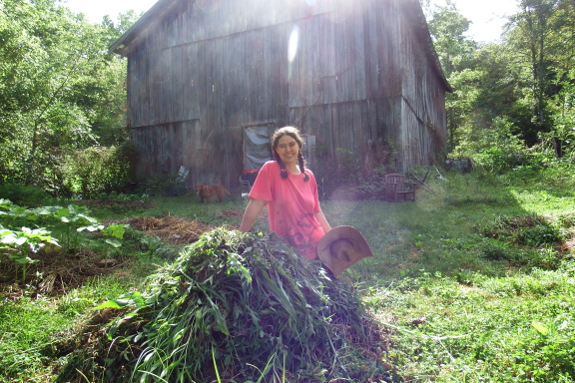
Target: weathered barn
357, 75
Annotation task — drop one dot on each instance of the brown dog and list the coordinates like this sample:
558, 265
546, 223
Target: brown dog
206, 192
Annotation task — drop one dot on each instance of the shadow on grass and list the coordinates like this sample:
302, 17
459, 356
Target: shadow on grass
449, 230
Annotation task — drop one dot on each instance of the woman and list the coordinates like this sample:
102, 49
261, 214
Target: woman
290, 193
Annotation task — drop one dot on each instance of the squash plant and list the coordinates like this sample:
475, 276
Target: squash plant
19, 242
19, 245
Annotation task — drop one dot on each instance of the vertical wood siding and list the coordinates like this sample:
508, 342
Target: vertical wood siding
204, 71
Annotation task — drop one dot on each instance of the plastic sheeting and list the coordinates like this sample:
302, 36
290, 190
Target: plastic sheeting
256, 147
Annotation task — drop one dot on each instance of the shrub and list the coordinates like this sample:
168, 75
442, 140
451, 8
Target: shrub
92, 171
22, 195
499, 150
170, 184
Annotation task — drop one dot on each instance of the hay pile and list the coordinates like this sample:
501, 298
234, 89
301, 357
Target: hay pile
237, 307
174, 230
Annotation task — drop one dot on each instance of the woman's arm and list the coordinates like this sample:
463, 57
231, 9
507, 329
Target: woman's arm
323, 221
251, 213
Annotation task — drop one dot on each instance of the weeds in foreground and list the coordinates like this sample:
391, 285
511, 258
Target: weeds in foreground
464, 304
247, 302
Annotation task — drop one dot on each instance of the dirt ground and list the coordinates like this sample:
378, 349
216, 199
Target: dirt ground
57, 272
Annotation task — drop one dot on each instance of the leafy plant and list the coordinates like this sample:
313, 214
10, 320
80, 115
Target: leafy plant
19, 245
248, 298
23, 195
171, 184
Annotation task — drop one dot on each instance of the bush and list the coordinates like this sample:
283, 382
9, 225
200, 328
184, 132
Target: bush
22, 195
498, 150
171, 184
91, 171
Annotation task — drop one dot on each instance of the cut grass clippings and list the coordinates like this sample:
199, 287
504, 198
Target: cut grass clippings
237, 307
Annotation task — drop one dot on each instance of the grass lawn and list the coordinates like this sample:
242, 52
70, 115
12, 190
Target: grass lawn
475, 280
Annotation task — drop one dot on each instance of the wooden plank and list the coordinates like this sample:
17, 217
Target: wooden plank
154, 88
193, 83
173, 93
358, 44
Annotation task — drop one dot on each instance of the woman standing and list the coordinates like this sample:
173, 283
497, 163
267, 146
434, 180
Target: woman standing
289, 191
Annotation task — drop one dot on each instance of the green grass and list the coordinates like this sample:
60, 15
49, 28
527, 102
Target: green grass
34, 332
469, 279
452, 332
485, 296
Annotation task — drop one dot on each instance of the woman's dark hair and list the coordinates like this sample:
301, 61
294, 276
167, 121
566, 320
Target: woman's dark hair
294, 133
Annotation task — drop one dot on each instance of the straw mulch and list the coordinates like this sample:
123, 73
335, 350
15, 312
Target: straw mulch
174, 230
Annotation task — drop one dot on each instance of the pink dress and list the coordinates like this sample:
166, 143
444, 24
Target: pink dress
292, 204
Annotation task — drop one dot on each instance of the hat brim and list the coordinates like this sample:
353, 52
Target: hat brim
341, 247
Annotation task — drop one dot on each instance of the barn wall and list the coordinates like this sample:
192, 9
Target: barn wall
422, 130
217, 86
360, 76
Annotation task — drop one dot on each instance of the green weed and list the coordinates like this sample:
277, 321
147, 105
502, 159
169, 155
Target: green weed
474, 280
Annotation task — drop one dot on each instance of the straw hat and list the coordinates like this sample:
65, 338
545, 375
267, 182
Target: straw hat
341, 247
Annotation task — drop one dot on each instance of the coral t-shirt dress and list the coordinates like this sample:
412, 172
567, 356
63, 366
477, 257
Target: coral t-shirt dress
292, 204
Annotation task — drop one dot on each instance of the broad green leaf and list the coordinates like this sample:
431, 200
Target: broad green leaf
61, 213
113, 242
12, 239
89, 219
115, 304
115, 230
91, 228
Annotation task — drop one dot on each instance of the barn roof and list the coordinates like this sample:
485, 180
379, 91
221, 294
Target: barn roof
150, 18
417, 15
162, 7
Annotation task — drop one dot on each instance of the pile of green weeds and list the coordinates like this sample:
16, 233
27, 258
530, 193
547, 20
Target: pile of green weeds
236, 307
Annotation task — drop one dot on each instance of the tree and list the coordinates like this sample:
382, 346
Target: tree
454, 50
60, 88
530, 36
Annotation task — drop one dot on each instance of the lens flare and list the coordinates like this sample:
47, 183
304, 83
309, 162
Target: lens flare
293, 44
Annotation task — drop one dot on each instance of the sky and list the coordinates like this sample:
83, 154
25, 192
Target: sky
487, 16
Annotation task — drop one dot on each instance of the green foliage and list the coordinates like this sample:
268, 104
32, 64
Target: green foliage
22, 195
498, 150
61, 91
249, 301
121, 197
52, 225
170, 184
91, 171
19, 245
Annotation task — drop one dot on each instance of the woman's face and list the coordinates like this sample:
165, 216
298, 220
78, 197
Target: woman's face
288, 149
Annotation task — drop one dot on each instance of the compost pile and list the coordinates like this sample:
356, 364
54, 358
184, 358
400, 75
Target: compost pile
236, 307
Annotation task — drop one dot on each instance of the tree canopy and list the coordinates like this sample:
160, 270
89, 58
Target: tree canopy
63, 94
60, 88
523, 85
